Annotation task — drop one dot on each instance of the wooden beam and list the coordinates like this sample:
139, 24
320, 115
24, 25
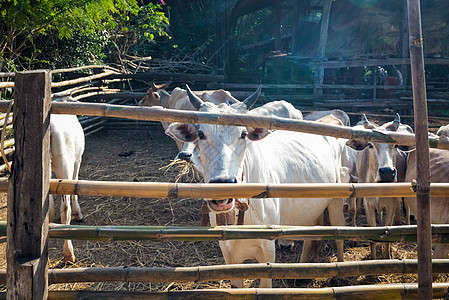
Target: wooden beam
321, 53
422, 150
27, 240
374, 62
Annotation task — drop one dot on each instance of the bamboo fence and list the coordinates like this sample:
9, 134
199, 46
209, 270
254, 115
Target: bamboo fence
157, 114
381, 291
228, 190
169, 115
238, 271
440, 233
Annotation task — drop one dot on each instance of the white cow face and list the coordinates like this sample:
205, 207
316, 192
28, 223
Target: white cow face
221, 149
382, 156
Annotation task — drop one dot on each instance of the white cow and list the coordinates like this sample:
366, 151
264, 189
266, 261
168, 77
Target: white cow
158, 96
376, 162
348, 156
66, 148
232, 154
281, 108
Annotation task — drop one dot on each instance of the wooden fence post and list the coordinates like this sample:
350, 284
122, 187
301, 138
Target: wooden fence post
27, 233
424, 234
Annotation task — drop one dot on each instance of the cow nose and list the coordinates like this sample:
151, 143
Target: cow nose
185, 156
387, 174
223, 180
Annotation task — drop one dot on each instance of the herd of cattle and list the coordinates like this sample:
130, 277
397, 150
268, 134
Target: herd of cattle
237, 154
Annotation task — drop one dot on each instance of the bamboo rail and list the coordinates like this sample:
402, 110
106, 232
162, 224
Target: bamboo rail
235, 271
6, 84
169, 115
82, 79
228, 190
381, 291
440, 233
57, 71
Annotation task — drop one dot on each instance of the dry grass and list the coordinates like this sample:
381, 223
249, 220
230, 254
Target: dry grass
142, 156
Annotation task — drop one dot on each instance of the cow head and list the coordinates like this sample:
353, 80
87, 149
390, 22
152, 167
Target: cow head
221, 148
154, 95
382, 156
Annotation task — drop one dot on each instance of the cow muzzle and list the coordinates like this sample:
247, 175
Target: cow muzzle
221, 206
387, 175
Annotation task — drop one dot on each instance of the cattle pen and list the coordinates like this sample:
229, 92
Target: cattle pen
27, 228
36, 261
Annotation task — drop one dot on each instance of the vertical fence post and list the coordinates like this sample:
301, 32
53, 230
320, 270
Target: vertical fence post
27, 232
422, 150
321, 53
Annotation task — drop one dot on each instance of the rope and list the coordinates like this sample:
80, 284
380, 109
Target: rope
255, 213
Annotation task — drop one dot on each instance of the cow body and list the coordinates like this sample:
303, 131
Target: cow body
231, 154
376, 162
439, 172
66, 147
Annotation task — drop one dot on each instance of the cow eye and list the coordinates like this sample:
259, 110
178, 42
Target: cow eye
201, 135
244, 134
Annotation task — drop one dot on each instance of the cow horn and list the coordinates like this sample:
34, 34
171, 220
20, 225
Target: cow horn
396, 122
167, 84
194, 99
365, 122
251, 100
153, 85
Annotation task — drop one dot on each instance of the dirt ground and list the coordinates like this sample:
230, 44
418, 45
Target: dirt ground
139, 155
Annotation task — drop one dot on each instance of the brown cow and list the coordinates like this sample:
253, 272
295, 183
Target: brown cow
377, 162
439, 172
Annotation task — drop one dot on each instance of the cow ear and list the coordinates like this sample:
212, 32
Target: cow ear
255, 134
185, 133
357, 145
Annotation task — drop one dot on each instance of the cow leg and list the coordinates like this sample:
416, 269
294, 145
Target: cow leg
391, 207
261, 250
76, 209
51, 208
370, 212
305, 254
66, 171
226, 247
407, 210
397, 217
353, 210
337, 218
66, 215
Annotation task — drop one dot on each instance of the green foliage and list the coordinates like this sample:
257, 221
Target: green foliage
31, 29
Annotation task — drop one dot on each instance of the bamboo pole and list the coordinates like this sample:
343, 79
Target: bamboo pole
381, 291
177, 233
82, 79
6, 84
57, 71
422, 149
231, 272
234, 190
169, 115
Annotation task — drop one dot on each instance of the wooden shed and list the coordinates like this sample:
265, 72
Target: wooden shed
349, 54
